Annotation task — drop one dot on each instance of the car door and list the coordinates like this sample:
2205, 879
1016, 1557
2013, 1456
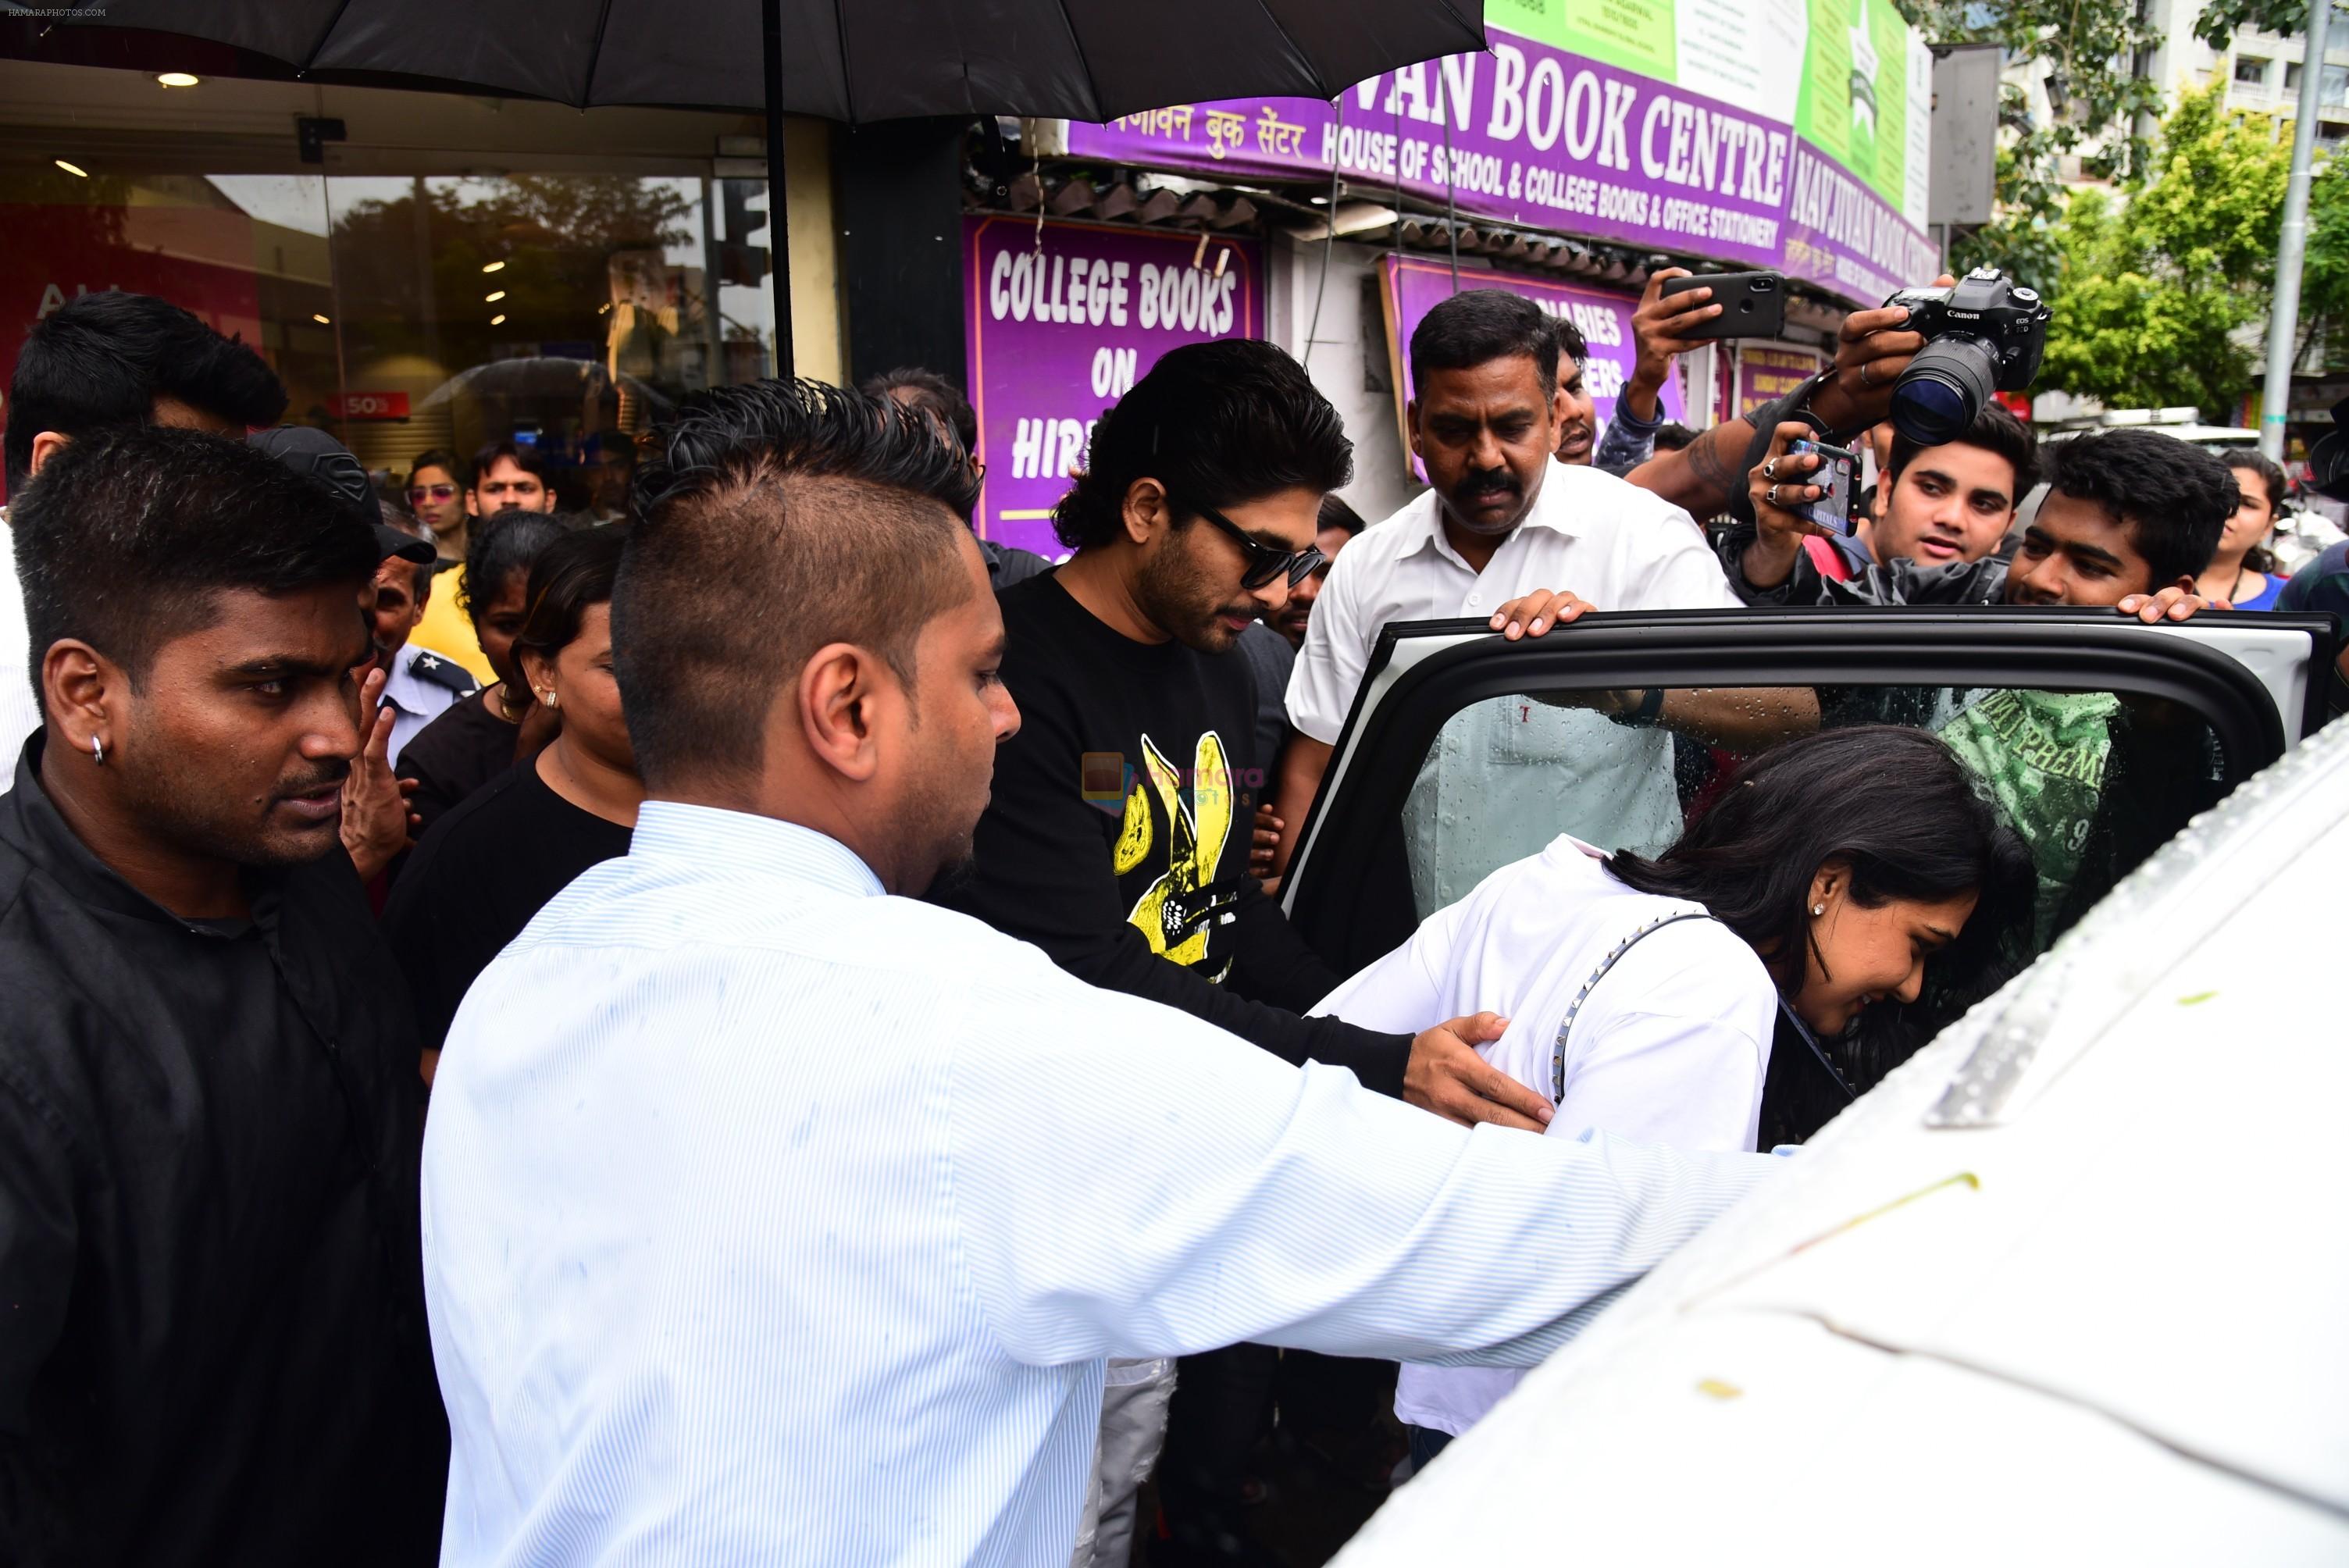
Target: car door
2100, 736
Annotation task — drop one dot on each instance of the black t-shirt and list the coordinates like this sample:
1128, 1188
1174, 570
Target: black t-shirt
456, 754
477, 879
1117, 838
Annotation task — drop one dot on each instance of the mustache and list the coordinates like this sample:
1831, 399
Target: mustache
329, 774
1479, 483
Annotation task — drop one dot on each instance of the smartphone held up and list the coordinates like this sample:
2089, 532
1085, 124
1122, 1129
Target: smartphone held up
1837, 475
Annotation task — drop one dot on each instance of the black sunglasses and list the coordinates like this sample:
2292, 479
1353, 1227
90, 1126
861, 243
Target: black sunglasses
1264, 562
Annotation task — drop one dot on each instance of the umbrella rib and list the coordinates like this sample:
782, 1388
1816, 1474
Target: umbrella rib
840, 32
595, 53
326, 32
1282, 29
1077, 47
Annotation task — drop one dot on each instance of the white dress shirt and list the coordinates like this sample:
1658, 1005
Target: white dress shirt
414, 698
1509, 774
768, 1219
1671, 1045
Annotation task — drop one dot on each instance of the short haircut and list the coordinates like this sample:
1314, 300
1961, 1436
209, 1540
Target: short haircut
570, 576
415, 528
1479, 325
446, 461
129, 536
526, 459
932, 394
774, 519
2173, 496
1336, 514
501, 546
100, 361
1994, 429
1673, 437
1571, 343
1218, 424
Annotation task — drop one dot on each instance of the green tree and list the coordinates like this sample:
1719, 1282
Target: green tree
2324, 274
2153, 294
2086, 53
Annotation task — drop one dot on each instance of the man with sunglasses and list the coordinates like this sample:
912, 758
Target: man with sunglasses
1117, 836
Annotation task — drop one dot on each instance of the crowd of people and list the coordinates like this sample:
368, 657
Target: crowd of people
755, 1024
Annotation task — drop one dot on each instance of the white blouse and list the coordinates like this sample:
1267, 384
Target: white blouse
1670, 1047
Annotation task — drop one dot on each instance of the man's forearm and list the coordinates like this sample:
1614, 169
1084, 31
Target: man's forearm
1704, 476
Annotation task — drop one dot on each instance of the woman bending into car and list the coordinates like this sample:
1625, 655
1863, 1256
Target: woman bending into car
1733, 992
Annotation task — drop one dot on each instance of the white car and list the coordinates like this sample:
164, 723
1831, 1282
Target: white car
2071, 1286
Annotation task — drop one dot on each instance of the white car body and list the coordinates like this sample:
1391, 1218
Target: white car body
2072, 1285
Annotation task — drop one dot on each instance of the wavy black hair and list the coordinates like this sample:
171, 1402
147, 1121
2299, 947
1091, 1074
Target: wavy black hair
2174, 497
1218, 424
501, 547
570, 577
100, 362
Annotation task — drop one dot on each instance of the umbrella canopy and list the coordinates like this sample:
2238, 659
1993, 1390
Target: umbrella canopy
850, 61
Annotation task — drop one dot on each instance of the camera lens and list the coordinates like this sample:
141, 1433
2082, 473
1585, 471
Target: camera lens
1942, 389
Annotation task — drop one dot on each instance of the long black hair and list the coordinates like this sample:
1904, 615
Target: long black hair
1896, 807
569, 577
2260, 558
502, 546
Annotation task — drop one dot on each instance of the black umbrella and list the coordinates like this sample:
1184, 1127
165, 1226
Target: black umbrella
850, 61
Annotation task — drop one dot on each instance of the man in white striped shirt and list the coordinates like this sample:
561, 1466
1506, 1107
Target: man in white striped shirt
772, 1216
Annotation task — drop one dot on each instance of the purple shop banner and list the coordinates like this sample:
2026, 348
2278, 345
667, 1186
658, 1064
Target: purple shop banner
1557, 142
1845, 238
1413, 286
1057, 327
1768, 371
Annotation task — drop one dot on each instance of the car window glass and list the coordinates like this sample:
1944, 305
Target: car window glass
2093, 780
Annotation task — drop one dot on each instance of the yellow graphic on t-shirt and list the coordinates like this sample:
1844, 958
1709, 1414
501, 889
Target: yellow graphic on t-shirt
1173, 915
1134, 838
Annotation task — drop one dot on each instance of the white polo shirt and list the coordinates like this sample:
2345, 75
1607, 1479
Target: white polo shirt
1508, 774
1670, 1047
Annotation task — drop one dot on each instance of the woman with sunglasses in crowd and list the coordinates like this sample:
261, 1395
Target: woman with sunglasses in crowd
494, 860
1739, 989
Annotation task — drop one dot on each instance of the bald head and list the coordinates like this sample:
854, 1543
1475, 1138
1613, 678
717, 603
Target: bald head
779, 519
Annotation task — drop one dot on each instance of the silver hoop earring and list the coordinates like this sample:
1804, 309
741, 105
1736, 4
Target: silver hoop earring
1818, 909
97, 750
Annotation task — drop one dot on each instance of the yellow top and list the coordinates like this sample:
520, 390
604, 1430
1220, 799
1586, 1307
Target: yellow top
446, 629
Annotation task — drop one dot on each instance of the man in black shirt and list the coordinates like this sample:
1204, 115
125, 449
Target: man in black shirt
1117, 839
215, 1349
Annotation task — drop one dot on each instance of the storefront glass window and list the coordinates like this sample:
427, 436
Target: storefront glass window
566, 311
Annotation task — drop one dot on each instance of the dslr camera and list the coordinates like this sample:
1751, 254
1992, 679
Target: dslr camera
1984, 335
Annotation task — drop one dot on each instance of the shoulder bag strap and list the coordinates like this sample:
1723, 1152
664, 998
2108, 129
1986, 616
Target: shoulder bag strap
1557, 1051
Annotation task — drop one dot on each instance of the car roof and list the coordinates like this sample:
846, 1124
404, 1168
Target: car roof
2074, 1276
